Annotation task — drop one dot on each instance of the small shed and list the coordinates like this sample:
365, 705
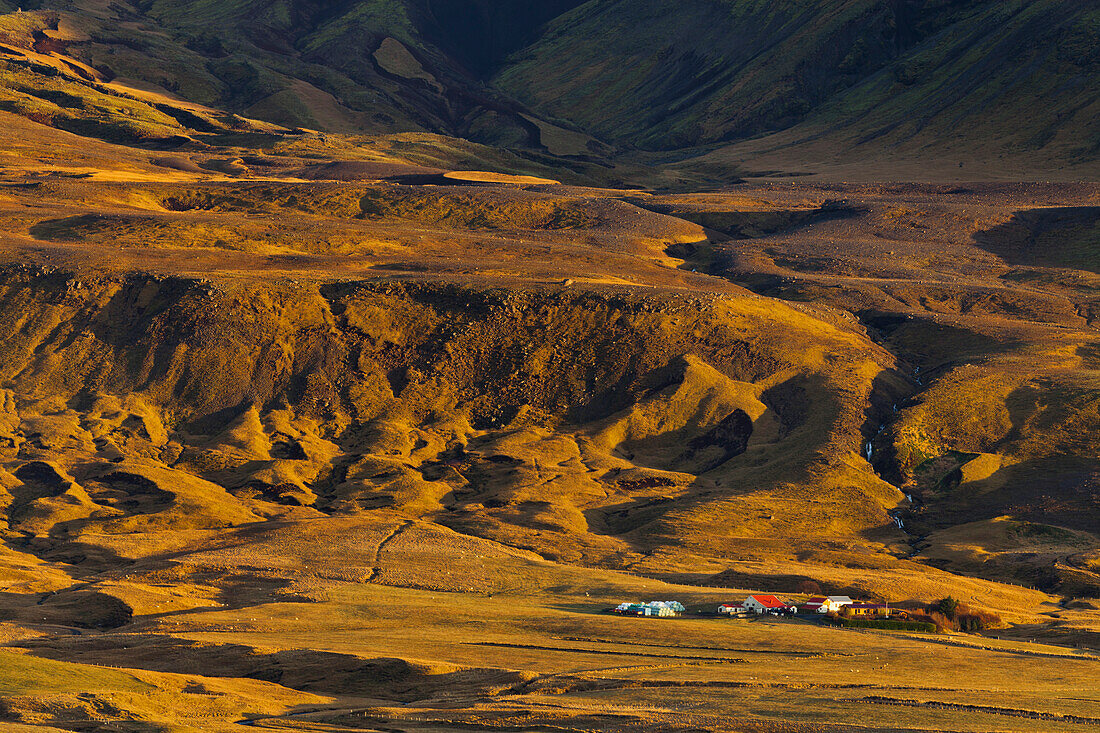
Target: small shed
817, 604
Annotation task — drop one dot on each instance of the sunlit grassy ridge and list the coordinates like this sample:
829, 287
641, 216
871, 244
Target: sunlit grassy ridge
82, 110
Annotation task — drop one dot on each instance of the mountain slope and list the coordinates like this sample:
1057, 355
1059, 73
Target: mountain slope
874, 71
378, 66
933, 79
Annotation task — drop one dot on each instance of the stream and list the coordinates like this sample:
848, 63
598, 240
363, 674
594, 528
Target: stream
869, 454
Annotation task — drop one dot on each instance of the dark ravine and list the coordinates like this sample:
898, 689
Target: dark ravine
482, 33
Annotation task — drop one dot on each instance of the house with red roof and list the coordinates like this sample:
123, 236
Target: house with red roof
817, 604
732, 609
765, 604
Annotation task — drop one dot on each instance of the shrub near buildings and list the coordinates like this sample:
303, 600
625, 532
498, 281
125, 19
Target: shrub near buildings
949, 613
887, 624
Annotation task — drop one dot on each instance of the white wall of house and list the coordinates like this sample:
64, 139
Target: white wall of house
835, 603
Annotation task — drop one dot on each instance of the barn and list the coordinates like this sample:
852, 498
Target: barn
765, 604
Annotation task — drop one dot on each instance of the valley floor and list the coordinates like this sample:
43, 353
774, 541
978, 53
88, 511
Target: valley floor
494, 639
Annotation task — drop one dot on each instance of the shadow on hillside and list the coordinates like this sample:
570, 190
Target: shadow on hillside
932, 346
1049, 237
80, 560
72, 608
1061, 490
326, 673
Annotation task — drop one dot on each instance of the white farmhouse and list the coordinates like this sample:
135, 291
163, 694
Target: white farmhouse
824, 604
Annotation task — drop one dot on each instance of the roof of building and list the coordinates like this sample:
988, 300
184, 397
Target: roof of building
818, 600
768, 601
870, 605
841, 599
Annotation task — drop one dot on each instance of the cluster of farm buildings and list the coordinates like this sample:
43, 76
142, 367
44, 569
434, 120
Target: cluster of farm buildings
650, 608
767, 604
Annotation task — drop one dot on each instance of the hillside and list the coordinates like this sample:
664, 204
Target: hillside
236, 398
356, 358
376, 67
799, 85
930, 76
539, 325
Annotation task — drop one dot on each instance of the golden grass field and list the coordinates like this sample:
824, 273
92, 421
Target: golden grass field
423, 630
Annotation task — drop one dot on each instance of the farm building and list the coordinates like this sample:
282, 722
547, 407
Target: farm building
867, 609
824, 604
650, 608
732, 609
766, 604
